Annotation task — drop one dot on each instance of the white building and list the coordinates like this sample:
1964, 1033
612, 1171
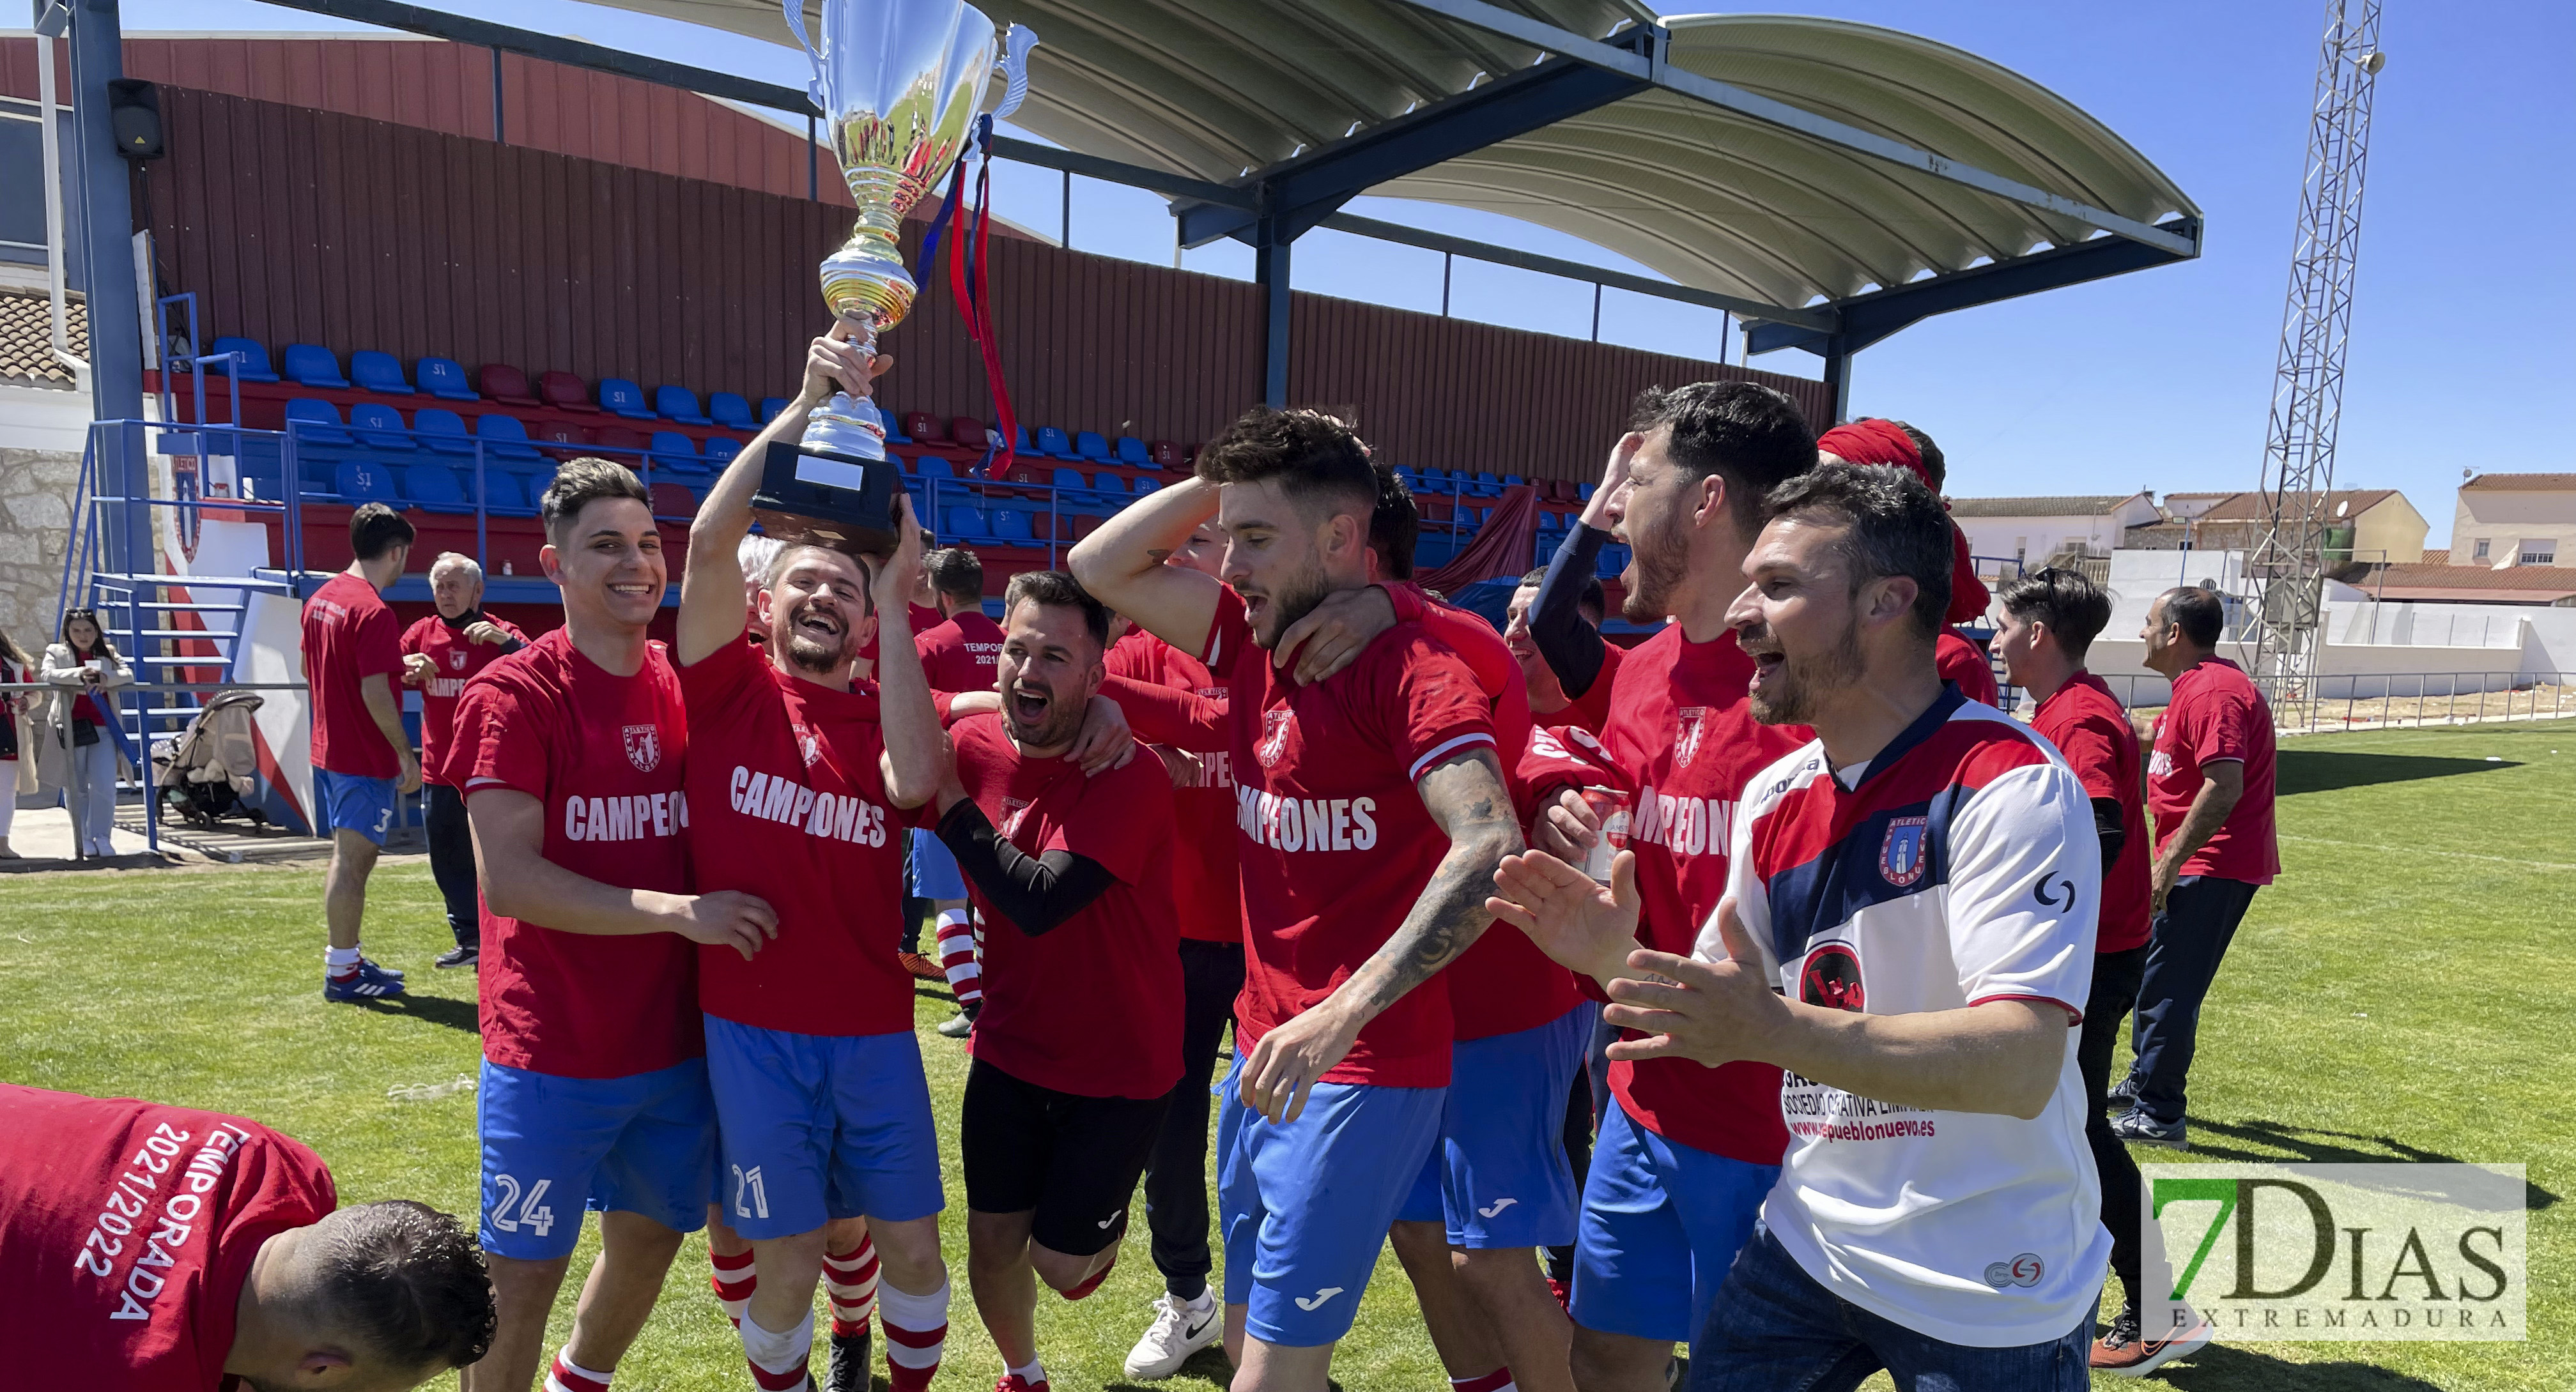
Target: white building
2032, 530
2506, 520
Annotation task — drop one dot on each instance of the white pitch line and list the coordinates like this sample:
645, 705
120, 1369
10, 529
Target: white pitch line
2420, 850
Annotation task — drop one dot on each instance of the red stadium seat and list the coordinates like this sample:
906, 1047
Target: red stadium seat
505, 384
565, 392
558, 439
967, 432
925, 428
619, 438
1164, 453
671, 502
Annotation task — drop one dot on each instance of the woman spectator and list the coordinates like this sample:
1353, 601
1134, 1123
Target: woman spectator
17, 775
86, 665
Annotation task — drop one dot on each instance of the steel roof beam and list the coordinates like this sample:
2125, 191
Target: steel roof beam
1651, 67
1303, 190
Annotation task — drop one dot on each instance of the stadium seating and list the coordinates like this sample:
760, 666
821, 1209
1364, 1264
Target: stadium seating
672, 502
678, 404
629, 444
1145, 486
621, 397
442, 430
770, 406
932, 466
435, 487
729, 409
254, 366
564, 392
504, 437
316, 426
501, 492
378, 372
967, 433
1054, 444
444, 378
924, 428
1092, 445
894, 428
366, 481
1162, 454
559, 439
380, 428
1511, 480
721, 450
1131, 451
310, 366
501, 382
673, 450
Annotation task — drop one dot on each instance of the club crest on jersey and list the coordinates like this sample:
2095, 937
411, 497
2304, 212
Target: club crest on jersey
1014, 811
808, 747
644, 747
1900, 856
1275, 725
1689, 723
456, 658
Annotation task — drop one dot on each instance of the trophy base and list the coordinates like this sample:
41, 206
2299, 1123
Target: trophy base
832, 499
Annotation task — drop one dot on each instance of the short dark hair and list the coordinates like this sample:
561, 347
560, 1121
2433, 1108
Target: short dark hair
955, 572
1594, 604
409, 1281
1056, 589
1893, 525
1395, 525
2197, 611
1935, 468
1311, 456
2073, 607
785, 556
375, 529
1743, 432
581, 482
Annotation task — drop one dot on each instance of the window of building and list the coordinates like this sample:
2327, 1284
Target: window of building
2539, 551
2482, 550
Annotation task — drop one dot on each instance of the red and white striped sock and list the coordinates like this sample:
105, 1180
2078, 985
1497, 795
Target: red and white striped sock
778, 1359
568, 1376
733, 1281
850, 1279
916, 1329
957, 957
1499, 1380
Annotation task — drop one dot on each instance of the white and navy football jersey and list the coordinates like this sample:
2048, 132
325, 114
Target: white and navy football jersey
1957, 867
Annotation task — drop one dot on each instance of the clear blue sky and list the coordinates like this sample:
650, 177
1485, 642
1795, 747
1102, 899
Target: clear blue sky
2160, 379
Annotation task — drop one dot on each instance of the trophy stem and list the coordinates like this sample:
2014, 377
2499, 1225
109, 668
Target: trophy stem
846, 426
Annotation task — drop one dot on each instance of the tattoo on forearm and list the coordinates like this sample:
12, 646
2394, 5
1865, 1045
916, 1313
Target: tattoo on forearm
1450, 915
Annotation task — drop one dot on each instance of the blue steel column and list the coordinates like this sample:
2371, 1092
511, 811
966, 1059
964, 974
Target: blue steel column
1270, 272
1837, 382
115, 321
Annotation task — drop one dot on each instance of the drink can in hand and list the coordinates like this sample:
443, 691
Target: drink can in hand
1610, 807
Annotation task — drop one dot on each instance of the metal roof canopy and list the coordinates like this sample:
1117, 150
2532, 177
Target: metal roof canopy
1830, 182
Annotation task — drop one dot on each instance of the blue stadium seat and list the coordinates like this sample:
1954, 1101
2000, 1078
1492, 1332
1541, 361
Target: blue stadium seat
1412, 480
254, 367
1511, 480
315, 425
434, 487
504, 437
673, 450
1145, 486
1113, 485
365, 480
1053, 444
1020, 438
442, 430
1132, 451
1012, 524
445, 379
893, 425
967, 524
1488, 486
378, 372
770, 406
1583, 491
933, 466
501, 490
1092, 446
678, 404
722, 449
380, 428
729, 408
313, 366
621, 397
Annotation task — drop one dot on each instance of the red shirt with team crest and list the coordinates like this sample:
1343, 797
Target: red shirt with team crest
789, 805
604, 754
1337, 845
960, 653
1682, 730
127, 1230
1206, 883
350, 634
1093, 1006
453, 662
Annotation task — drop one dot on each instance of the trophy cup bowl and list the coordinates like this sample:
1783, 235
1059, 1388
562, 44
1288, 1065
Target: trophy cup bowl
900, 83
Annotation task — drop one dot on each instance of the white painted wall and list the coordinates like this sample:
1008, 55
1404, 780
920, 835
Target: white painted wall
2039, 536
55, 419
2506, 518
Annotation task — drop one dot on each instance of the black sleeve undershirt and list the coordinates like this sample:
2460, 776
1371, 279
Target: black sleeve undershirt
1036, 893
1571, 647
2114, 833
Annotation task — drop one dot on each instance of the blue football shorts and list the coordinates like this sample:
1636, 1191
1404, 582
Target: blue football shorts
820, 1126
1661, 1224
639, 1144
1304, 1205
933, 868
354, 802
1499, 1177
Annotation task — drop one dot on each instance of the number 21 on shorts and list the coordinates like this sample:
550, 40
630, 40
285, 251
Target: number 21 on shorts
531, 1215
750, 1198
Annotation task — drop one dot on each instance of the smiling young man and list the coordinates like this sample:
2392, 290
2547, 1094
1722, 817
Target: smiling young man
1078, 1046
1370, 805
441, 653
1908, 931
798, 791
594, 1084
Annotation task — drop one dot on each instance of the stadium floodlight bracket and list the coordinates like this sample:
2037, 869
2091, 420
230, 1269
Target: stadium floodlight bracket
53, 19
1653, 67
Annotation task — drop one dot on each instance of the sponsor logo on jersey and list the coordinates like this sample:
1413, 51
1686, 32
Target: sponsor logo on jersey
1315, 1301
1689, 724
2054, 891
1830, 977
1900, 854
1495, 1211
1275, 725
1306, 824
836, 816
644, 747
2024, 1270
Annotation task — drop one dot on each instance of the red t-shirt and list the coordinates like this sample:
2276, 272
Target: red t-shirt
1206, 875
2086, 723
350, 634
1681, 728
1337, 845
959, 654
126, 1231
453, 662
605, 754
1093, 1006
1964, 662
1591, 710
2216, 713
790, 805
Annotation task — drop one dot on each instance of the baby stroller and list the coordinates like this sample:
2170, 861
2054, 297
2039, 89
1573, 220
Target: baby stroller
208, 769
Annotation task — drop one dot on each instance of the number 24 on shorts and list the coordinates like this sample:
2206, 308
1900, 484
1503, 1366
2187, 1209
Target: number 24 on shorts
536, 1219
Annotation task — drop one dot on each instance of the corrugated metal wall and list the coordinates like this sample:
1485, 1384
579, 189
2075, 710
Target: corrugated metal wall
299, 225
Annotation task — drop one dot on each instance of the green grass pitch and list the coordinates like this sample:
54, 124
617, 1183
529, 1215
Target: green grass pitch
2402, 992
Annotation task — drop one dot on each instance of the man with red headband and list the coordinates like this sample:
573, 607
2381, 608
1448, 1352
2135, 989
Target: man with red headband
1874, 441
